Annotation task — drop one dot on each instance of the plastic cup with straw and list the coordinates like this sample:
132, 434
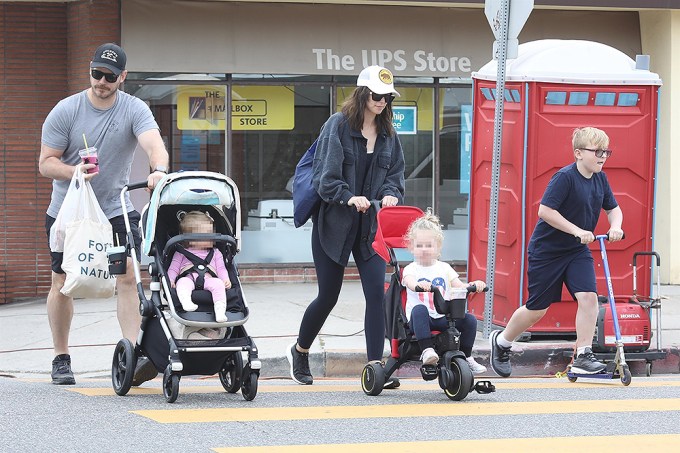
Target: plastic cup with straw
89, 156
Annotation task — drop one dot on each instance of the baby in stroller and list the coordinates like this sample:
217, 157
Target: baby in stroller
189, 326
199, 266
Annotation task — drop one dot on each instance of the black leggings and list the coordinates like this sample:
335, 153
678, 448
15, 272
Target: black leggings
329, 276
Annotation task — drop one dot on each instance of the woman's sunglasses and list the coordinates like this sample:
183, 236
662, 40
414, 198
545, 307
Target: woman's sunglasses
97, 75
599, 152
377, 97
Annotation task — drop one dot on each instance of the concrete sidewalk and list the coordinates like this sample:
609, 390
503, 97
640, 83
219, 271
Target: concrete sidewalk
276, 311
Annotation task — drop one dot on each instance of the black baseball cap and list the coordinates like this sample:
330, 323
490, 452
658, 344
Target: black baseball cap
109, 56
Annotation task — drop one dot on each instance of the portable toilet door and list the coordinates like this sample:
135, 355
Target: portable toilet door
553, 87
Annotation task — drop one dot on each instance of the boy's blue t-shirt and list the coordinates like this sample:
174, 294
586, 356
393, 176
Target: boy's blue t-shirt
579, 200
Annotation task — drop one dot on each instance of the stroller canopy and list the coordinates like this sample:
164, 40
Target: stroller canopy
201, 188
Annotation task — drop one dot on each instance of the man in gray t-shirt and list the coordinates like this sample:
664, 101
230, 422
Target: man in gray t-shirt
115, 123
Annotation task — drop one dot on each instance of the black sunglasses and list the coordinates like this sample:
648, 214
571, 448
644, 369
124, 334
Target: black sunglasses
97, 75
377, 97
599, 152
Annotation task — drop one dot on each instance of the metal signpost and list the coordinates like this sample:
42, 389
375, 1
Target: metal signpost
506, 23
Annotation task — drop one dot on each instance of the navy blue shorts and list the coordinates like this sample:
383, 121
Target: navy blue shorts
119, 236
546, 276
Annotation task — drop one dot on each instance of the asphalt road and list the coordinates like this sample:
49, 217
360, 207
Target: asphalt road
548, 414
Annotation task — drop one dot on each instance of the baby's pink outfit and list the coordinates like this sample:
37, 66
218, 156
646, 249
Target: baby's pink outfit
185, 285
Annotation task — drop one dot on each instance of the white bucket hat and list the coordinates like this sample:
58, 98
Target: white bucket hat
377, 79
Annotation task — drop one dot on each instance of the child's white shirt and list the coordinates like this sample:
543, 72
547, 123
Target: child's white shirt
439, 274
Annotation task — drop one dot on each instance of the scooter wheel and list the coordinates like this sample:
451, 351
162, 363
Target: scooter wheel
626, 377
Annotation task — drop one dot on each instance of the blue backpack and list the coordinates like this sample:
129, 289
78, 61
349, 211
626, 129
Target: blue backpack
306, 200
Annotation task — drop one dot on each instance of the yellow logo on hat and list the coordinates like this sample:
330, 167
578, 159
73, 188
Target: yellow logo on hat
385, 76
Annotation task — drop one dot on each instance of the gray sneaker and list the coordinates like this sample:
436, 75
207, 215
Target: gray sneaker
500, 356
299, 366
587, 363
61, 370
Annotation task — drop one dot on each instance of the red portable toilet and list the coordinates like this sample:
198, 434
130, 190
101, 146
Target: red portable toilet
553, 87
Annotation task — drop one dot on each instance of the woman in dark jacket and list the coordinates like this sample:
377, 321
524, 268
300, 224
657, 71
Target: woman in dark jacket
358, 159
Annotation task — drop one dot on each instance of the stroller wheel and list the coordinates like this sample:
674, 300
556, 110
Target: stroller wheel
460, 381
372, 379
123, 367
249, 386
170, 385
230, 373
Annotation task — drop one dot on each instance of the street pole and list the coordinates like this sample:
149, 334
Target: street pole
501, 55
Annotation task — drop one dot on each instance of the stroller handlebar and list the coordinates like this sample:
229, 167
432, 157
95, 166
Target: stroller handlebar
469, 288
137, 185
473, 289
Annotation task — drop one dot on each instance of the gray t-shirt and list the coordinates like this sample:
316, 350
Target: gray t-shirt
113, 132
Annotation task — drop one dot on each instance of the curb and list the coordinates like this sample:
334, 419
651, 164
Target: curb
530, 360
527, 360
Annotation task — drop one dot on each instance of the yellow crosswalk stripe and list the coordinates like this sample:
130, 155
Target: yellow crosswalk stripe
462, 409
549, 383
660, 442
645, 442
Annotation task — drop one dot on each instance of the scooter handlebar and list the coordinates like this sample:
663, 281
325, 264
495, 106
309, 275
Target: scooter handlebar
598, 236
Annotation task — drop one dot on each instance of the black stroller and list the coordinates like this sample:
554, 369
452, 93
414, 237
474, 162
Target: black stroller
170, 353
452, 370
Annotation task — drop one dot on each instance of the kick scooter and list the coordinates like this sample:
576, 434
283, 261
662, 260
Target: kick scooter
619, 367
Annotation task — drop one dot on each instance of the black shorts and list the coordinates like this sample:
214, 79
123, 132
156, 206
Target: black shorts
546, 277
119, 236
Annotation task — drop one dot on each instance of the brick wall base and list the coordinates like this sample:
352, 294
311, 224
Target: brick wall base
45, 50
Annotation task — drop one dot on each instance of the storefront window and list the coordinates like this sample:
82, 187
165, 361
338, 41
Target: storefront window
454, 169
272, 126
259, 140
191, 119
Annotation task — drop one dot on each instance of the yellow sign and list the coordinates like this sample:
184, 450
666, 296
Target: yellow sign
252, 108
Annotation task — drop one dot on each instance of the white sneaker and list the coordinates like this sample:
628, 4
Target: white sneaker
429, 357
476, 368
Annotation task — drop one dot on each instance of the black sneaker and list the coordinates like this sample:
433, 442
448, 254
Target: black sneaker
500, 356
299, 365
61, 370
144, 371
587, 363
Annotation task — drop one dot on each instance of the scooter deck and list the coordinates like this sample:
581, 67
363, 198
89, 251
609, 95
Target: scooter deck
601, 375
